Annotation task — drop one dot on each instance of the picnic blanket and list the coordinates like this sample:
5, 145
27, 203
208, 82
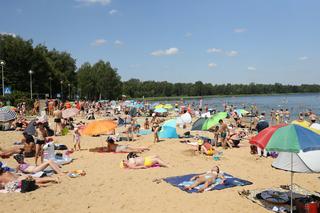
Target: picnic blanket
182, 181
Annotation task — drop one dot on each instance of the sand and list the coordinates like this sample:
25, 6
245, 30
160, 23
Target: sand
107, 188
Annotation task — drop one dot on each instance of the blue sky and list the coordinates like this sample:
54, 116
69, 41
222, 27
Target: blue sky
215, 41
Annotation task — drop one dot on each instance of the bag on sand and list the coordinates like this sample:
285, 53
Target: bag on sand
28, 185
253, 150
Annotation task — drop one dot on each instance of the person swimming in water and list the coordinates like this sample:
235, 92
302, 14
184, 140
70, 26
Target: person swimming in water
207, 179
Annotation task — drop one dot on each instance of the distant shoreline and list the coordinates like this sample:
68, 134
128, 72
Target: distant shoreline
220, 96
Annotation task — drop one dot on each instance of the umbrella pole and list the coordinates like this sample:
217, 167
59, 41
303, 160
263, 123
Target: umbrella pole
291, 190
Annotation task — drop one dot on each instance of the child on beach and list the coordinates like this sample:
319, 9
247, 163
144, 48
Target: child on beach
76, 137
146, 124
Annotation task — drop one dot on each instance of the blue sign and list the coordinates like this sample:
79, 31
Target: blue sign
7, 90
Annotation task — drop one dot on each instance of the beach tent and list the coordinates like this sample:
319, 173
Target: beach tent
168, 129
197, 125
305, 162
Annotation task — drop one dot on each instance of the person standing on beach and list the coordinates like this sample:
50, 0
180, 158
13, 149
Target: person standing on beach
287, 116
155, 122
57, 114
224, 131
41, 134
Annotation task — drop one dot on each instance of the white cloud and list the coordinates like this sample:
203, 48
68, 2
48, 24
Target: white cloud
214, 50
232, 53
303, 58
170, 51
239, 30
9, 34
212, 65
188, 34
118, 42
252, 68
113, 12
91, 2
99, 42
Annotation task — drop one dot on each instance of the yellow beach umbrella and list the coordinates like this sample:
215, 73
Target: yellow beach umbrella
168, 106
159, 106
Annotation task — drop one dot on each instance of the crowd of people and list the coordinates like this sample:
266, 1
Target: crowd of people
228, 133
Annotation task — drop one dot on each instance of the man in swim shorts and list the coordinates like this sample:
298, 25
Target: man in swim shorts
223, 130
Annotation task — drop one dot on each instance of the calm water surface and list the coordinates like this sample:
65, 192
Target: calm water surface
294, 102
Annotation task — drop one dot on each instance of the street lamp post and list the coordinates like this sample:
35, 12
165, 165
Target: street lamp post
2, 63
50, 79
61, 82
69, 91
30, 72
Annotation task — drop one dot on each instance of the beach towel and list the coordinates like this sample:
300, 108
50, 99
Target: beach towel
182, 181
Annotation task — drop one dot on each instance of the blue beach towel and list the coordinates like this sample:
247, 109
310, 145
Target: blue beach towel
183, 181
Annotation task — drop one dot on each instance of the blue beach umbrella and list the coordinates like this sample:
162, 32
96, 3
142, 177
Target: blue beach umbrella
160, 110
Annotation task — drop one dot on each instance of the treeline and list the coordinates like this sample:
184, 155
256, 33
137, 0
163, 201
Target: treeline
48, 67
137, 88
56, 72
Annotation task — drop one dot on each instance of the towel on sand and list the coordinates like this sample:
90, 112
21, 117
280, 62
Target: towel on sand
182, 181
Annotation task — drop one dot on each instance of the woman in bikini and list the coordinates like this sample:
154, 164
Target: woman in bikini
144, 162
207, 179
29, 169
155, 128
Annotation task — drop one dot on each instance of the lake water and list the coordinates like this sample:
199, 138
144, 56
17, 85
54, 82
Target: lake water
294, 102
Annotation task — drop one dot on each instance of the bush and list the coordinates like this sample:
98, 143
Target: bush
17, 97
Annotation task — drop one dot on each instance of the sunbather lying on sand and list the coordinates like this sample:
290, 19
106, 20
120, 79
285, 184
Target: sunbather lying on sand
29, 169
207, 179
9, 177
113, 147
143, 162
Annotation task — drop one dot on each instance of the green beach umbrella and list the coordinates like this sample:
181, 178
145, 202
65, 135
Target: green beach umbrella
214, 120
294, 138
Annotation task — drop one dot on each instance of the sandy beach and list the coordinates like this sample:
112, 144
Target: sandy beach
107, 187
